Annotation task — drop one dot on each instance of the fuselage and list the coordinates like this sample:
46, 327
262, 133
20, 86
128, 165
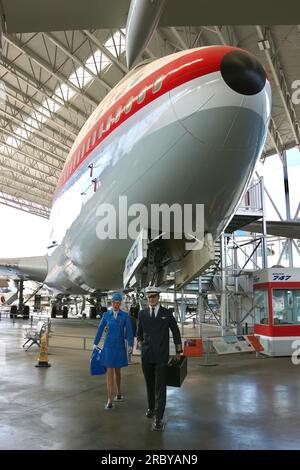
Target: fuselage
187, 129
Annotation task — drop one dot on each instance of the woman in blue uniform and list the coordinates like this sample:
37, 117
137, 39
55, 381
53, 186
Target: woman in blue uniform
114, 352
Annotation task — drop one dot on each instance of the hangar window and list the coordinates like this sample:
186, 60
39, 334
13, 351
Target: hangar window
157, 84
118, 114
142, 95
100, 131
128, 105
261, 307
286, 306
94, 138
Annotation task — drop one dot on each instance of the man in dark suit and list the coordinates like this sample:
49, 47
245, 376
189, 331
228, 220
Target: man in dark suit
154, 323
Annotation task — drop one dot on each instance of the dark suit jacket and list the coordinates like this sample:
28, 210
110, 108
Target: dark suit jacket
154, 335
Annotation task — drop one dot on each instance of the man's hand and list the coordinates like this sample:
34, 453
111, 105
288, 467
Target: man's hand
178, 357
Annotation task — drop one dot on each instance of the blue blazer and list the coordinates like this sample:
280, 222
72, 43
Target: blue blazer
118, 329
153, 333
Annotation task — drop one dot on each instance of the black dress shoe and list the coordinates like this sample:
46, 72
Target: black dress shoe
158, 425
149, 413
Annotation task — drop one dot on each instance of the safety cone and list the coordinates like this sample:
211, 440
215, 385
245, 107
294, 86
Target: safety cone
43, 355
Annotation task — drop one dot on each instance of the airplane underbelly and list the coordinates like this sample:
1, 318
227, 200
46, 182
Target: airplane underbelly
178, 151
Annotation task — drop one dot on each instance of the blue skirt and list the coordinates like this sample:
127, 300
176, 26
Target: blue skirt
114, 357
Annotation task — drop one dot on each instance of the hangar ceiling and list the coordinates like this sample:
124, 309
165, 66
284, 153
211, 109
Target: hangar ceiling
51, 82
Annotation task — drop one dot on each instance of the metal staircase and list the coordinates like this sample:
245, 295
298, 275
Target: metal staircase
239, 289
204, 281
11, 298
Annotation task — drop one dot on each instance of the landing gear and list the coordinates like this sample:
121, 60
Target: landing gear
26, 311
21, 308
97, 305
53, 311
159, 259
58, 309
13, 311
93, 312
65, 312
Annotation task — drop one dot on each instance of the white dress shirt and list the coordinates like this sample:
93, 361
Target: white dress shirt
156, 308
115, 313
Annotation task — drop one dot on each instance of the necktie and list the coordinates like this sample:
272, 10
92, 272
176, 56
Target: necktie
153, 314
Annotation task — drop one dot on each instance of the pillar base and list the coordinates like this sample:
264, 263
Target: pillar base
43, 364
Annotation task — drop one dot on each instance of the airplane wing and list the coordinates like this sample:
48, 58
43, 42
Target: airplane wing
33, 268
287, 229
60, 15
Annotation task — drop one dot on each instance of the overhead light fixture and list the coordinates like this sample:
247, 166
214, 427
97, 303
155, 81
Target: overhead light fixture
264, 44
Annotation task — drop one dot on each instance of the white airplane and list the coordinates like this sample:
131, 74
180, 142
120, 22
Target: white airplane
187, 128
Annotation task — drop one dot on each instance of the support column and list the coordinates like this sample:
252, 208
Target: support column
76, 306
287, 203
200, 309
182, 311
264, 248
237, 312
255, 257
21, 296
223, 287
175, 306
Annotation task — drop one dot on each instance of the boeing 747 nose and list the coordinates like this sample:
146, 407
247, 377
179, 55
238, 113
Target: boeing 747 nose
243, 73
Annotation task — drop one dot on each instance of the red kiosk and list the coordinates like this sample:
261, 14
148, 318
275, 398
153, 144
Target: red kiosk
277, 309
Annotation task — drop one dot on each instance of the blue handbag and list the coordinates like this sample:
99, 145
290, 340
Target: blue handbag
96, 366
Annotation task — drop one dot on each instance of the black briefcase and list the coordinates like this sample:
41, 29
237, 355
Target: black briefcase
176, 371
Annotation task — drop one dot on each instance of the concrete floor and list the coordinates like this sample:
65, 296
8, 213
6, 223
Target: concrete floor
242, 403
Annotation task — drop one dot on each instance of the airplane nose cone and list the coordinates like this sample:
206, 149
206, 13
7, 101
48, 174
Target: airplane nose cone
243, 73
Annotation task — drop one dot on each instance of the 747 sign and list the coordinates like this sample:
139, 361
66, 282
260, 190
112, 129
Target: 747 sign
280, 277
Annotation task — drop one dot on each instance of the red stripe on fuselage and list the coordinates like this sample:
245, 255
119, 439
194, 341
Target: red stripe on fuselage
176, 72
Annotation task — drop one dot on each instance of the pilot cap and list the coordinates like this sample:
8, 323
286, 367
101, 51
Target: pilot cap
152, 290
117, 297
